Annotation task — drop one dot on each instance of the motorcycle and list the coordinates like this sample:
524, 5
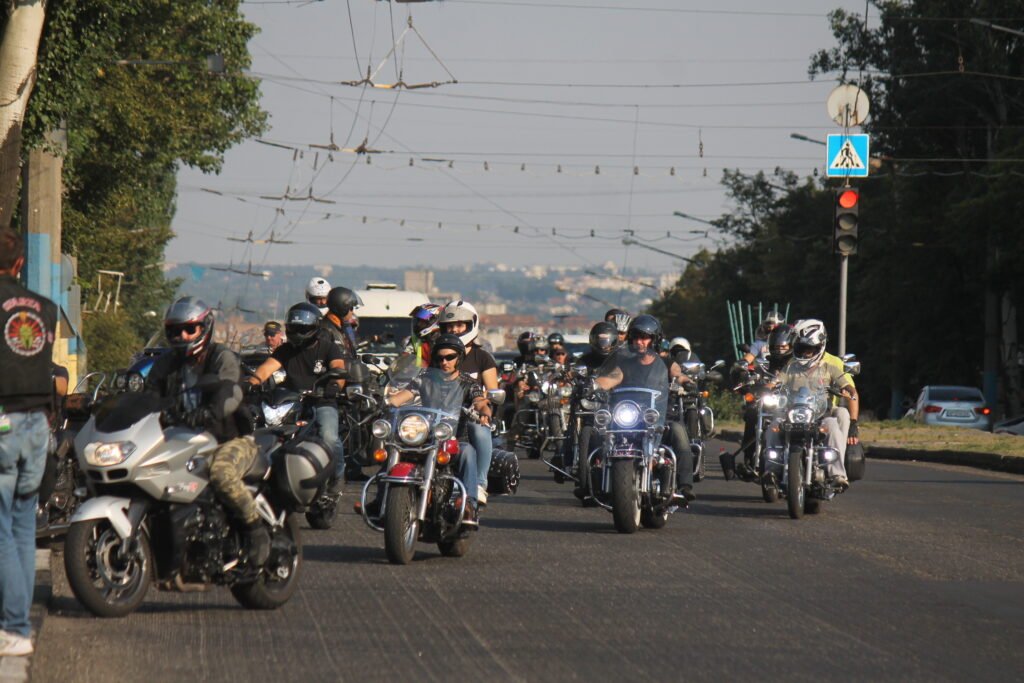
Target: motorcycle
153, 517
753, 384
798, 468
579, 428
632, 473
421, 498
358, 406
531, 422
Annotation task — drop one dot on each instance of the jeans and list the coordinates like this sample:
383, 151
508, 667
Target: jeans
327, 425
22, 461
483, 443
837, 426
467, 470
679, 442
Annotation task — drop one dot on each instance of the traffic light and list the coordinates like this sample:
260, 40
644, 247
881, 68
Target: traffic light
847, 205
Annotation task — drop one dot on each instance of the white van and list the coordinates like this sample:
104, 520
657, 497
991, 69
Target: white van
384, 321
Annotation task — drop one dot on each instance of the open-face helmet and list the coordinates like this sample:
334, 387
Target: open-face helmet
645, 325
444, 344
556, 339
341, 301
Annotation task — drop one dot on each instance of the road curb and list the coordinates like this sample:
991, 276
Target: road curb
982, 461
18, 669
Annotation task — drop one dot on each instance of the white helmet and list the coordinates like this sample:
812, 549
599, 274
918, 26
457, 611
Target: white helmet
679, 342
622, 321
809, 347
462, 311
318, 288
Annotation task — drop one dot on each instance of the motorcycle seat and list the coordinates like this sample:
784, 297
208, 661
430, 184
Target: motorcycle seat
266, 440
258, 470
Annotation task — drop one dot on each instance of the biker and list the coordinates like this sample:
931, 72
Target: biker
447, 355
317, 290
188, 327
273, 335
808, 368
681, 352
603, 339
460, 318
310, 352
644, 368
780, 347
341, 303
425, 326
759, 349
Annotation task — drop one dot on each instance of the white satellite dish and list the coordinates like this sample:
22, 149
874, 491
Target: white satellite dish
848, 105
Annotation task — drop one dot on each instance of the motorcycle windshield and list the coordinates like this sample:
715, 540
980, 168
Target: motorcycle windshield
401, 373
123, 410
817, 400
641, 379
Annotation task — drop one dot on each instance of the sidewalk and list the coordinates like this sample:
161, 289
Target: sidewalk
17, 669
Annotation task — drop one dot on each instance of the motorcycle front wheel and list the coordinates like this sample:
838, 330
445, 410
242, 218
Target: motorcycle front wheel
795, 494
107, 584
401, 528
279, 579
625, 497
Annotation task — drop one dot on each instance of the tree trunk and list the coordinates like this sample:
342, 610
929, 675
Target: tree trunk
18, 53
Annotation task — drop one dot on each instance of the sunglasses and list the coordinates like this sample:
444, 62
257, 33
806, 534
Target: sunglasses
447, 358
174, 331
556, 354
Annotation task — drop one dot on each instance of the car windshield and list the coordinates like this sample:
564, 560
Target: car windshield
955, 394
383, 335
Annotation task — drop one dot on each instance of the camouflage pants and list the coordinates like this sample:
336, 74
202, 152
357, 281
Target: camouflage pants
231, 461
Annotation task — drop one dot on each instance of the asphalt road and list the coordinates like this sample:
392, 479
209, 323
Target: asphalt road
917, 573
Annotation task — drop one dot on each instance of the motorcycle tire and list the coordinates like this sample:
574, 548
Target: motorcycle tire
267, 594
795, 494
812, 506
625, 497
653, 520
855, 462
401, 528
701, 470
455, 548
82, 566
321, 513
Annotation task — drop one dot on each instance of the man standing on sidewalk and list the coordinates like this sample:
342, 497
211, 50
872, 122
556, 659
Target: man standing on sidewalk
27, 325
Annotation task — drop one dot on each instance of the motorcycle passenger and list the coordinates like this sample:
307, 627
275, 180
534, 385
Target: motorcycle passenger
309, 353
188, 326
759, 349
644, 338
341, 303
460, 318
808, 368
447, 355
425, 326
317, 290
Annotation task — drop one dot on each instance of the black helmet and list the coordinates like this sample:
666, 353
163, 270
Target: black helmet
341, 301
780, 343
556, 339
603, 338
184, 316
609, 316
648, 325
450, 342
302, 323
523, 343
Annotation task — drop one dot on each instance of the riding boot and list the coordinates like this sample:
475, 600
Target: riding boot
258, 542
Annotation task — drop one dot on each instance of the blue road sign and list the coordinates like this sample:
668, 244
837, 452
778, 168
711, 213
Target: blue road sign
847, 156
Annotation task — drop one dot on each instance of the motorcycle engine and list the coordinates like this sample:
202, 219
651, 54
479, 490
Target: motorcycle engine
208, 540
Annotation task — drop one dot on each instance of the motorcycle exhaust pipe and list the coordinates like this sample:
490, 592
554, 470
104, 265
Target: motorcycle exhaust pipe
560, 471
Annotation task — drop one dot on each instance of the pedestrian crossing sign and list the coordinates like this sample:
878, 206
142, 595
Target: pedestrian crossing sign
847, 156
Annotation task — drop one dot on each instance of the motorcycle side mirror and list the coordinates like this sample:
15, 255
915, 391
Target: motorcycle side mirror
852, 367
576, 355
718, 364
507, 367
368, 358
692, 367
849, 357
496, 396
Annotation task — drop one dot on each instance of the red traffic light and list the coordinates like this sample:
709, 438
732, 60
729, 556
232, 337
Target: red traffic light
848, 199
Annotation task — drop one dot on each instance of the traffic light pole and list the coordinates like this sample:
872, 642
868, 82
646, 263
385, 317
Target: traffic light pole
844, 269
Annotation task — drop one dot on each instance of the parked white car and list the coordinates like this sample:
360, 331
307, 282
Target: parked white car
953, 406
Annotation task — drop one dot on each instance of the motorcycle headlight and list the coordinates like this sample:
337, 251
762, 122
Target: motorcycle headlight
107, 454
443, 431
279, 376
770, 401
120, 382
550, 388
800, 416
773, 454
651, 416
626, 414
533, 397
381, 429
413, 430
565, 391
587, 404
602, 418
135, 382
828, 454
274, 415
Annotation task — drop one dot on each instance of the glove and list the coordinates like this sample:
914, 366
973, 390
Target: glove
201, 418
854, 432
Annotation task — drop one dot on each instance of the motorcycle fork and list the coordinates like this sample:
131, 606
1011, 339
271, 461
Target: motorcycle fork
428, 480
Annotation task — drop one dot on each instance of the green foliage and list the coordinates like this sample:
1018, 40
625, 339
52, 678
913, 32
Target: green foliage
110, 341
131, 125
727, 405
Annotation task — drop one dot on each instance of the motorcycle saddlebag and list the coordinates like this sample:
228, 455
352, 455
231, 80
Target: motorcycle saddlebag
301, 469
855, 462
503, 477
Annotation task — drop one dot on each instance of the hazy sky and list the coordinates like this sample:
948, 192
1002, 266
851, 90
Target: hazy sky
542, 86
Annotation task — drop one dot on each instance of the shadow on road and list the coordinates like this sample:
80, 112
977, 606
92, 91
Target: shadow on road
67, 607
1005, 482
561, 526
344, 553
726, 497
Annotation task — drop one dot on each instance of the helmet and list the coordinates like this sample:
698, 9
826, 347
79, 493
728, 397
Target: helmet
679, 343
318, 288
603, 338
302, 322
622, 322
609, 316
462, 312
451, 342
341, 301
645, 324
780, 343
425, 320
809, 342
556, 339
300, 470
538, 343
523, 343
770, 322
184, 316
